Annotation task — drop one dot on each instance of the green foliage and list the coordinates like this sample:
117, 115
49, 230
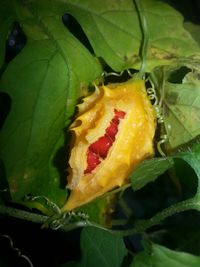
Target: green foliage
51, 63
44, 83
100, 248
47, 78
182, 111
159, 256
193, 159
193, 29
149, 170
166, 42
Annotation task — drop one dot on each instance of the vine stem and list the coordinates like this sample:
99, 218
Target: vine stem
145, 36
23, 215
139, 227
142, 225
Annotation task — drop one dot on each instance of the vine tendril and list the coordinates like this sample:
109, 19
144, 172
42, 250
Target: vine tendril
48, 202
158, 107
116, 74
107, 74
17, 250
58, 221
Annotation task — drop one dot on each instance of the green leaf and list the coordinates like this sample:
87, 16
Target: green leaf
194, 30
149, 170
167, 43
192, 157
100, 248
160, 256
182, 111
44, 81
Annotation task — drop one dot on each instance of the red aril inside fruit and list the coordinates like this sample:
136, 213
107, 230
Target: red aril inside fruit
99, 149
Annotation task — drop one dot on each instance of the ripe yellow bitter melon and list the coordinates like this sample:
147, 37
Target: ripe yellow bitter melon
112, 133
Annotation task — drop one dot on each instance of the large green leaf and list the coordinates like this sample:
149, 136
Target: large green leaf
182, 111
114, 31
44, 81
100, 248
160, 256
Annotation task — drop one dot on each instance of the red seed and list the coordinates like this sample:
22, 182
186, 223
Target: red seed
115, 120
101, 146
99, 149
112, 130
120, 114
92, 161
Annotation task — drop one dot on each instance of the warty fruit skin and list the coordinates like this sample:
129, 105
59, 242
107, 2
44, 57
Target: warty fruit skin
132, 143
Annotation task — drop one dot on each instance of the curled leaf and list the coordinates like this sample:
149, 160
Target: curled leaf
113, 132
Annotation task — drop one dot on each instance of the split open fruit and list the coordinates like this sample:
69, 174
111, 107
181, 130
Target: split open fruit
112, 133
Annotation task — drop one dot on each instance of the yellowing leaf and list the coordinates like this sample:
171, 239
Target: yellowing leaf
114, 31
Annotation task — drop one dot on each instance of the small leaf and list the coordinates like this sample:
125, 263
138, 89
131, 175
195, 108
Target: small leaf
160, 256
149, 170
100, 248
